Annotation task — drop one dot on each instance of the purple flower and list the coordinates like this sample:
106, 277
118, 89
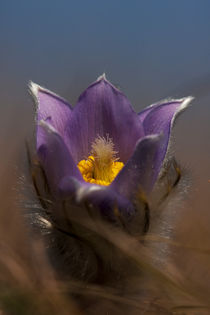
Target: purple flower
101, 151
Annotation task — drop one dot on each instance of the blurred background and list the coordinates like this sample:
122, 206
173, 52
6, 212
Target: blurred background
151, 50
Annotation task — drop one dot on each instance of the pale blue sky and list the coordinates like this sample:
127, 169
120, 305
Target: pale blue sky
150, 48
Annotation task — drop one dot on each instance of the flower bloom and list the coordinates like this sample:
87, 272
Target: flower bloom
102, 150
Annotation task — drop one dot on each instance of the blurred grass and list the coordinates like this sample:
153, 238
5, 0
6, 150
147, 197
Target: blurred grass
29, 285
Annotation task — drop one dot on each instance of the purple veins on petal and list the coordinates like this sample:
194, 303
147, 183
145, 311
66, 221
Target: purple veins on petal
54, 156
51, 108
161, 119
103, 110
141, 170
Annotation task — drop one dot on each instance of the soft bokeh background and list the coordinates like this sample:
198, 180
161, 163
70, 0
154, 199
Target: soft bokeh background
150, 49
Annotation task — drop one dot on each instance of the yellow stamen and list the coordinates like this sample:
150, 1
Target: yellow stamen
102, 166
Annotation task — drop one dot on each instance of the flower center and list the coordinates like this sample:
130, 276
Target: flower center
102, 166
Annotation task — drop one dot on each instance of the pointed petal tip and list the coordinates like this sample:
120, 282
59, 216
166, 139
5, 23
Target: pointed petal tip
185, 102
102, 77
33, 89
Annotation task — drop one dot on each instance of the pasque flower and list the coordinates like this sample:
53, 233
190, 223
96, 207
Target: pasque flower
102, 150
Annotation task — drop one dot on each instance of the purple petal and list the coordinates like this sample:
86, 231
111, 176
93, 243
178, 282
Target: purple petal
160, 119
54, 156
103, 200
141, 170
142, 114
102, 110
51, 108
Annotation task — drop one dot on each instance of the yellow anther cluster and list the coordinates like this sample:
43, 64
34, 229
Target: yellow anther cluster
87, 168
